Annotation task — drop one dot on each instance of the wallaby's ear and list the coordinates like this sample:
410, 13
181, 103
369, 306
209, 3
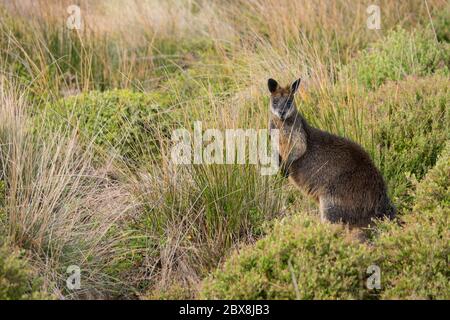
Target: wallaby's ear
272, 84
295, 85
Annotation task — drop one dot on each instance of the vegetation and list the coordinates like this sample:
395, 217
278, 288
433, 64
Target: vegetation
415, 255
86, 122
17, 281
302, 258
401, 54
116, 120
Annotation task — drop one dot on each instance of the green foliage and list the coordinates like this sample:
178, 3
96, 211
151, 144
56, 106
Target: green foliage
410, 128
172, 56
301, 259
16, 278
415, 254
441, 23
400, 54
119, 120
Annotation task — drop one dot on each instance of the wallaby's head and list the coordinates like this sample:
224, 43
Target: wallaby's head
282, 102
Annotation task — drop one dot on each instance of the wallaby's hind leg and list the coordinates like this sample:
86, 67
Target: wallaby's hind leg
330, 212
335, 214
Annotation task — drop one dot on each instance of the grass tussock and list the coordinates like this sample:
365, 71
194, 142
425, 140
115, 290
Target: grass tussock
58, 206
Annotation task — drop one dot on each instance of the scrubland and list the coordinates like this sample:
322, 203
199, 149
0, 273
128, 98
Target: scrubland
86, 177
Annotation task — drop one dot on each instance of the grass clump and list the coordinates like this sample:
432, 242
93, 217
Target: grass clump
58, 206
202, 212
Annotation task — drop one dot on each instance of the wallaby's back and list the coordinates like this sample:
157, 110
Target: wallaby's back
342, 177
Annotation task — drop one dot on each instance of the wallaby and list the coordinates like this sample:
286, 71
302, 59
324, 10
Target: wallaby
335, 171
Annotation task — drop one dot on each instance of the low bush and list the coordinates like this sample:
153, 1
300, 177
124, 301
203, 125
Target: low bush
301, 259
415, 254
120, 120
410, 121
400, 54
17, 281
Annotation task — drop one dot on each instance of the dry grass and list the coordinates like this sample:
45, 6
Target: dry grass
122, 44
58, 205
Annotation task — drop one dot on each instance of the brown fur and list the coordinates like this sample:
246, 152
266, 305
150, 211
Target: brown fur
335, 171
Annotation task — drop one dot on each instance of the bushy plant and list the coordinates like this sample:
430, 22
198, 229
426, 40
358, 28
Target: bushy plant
399, 54
414, 255
410, 121
17, 281
300, 259
120, 120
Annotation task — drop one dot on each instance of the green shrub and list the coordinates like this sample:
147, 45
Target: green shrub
16, 278
120, 120
441, 23
301, 252
323, 263
400, 54
415, 254
410, 128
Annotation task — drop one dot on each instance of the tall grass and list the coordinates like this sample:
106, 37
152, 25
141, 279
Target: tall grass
135, 44
58, 206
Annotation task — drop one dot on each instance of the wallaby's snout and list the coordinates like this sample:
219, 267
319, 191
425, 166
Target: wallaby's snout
282, 103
